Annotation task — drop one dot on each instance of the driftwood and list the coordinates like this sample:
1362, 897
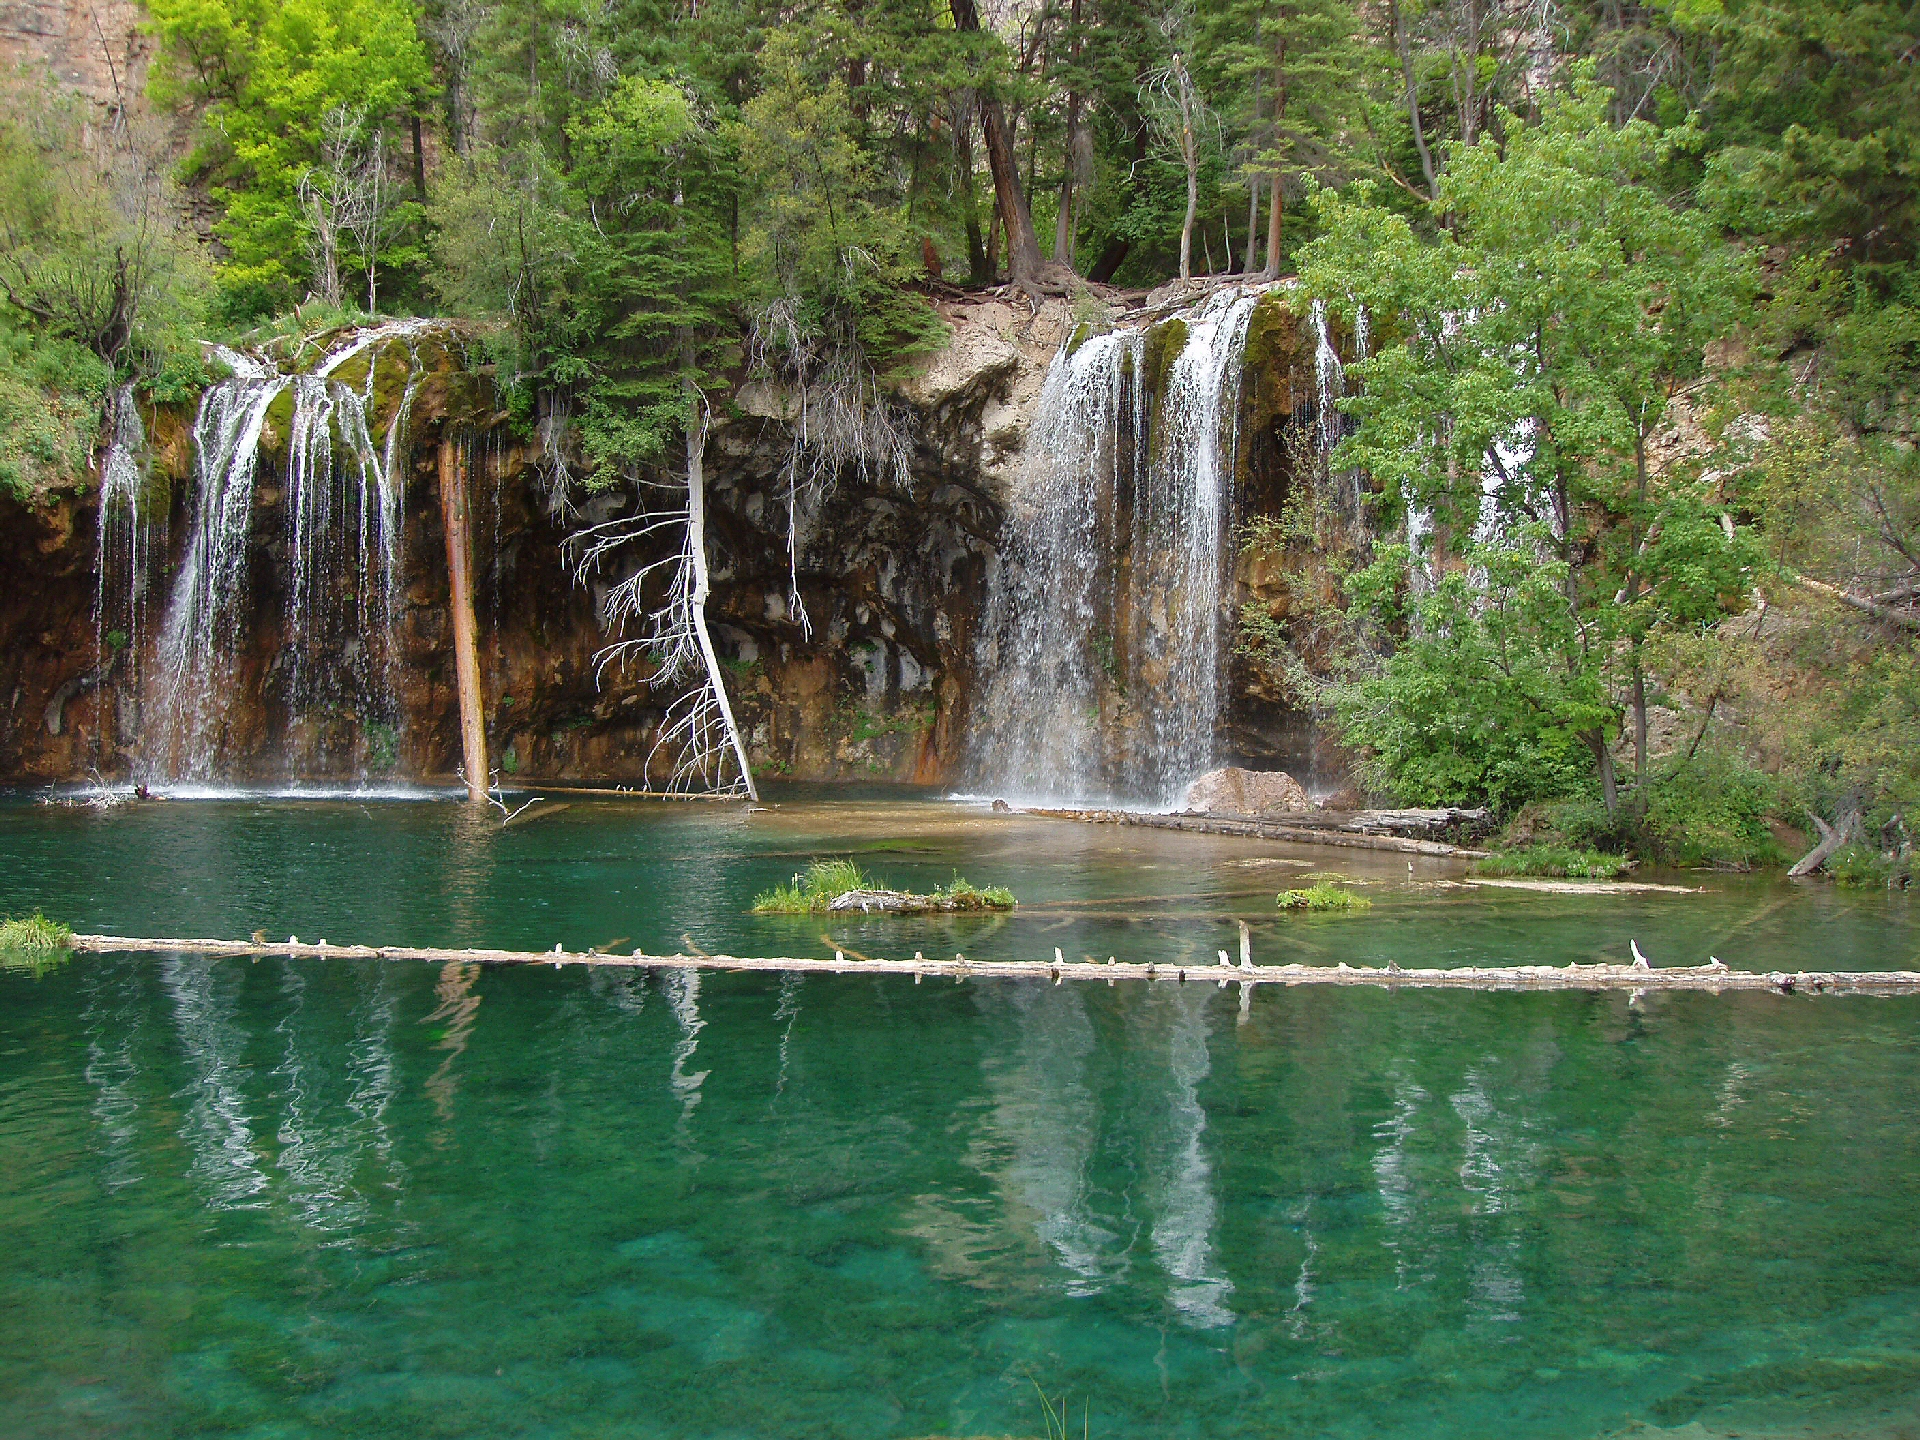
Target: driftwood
1637, 977
1832, 837
1304, 830
902, 902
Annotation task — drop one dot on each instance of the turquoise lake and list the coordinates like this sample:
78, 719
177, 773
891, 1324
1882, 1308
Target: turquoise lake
288, 1199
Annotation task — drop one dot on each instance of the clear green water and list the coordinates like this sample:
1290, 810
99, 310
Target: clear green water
289, 1199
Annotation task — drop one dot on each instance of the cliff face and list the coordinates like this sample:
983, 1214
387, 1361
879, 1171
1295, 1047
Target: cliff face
873, 682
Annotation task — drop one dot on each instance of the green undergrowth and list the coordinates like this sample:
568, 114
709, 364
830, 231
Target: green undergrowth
1554, 860
1861, 867
1323, 896
825, 881
33, 943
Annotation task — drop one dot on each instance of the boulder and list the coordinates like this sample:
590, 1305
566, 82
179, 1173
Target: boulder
1233, 791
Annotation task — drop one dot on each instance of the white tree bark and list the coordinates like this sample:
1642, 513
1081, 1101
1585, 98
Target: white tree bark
697, 550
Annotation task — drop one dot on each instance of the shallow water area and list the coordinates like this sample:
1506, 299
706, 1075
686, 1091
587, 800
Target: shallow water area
310, 1198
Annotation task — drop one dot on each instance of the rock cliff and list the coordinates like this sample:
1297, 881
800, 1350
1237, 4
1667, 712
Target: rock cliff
873, 684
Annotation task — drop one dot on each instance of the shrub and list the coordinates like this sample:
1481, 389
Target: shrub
1861, 867
1323, 895
1556, 860
1710, 810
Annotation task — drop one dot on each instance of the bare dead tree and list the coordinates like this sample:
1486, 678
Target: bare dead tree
1180, 119
338, 196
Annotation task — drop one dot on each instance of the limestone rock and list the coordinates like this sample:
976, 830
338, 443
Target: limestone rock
976, 361
1233, 791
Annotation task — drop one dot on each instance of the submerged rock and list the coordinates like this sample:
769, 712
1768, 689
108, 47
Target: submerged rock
1231, 790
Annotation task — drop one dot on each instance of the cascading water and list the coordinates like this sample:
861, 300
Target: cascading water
1103, 645
130, 529
340, 572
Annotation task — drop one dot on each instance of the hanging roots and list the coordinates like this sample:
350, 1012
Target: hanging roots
842, 419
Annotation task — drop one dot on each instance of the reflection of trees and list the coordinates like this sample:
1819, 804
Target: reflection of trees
457, 1006
784, 1015
682, 989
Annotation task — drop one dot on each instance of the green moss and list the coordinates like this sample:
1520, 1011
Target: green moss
353, 373
1162, 347
1275, 340
277, 428
1323, 896
1081, 334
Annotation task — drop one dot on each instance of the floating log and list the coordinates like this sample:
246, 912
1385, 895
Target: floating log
1713, 978
1298, 833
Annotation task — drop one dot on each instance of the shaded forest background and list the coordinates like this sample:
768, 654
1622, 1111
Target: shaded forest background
1639, 551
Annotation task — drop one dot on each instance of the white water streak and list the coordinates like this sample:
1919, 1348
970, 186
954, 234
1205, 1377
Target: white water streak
1103, 646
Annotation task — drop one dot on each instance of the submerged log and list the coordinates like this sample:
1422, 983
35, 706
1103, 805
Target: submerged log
902, 902
1714, 977
1298, 829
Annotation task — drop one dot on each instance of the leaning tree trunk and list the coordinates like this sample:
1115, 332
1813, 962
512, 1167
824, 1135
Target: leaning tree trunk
1023, 246
466, 630
1832, 837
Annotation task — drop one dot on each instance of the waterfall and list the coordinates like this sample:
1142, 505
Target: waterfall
338, 570
130, 528
1103, 643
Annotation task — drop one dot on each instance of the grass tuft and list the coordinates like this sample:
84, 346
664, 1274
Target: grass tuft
1558, 861
823, 882
1323, 895
35, 933
964, 896
33, 943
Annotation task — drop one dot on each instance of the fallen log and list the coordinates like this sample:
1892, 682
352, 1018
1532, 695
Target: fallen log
1714, 978
1302, 834
1832, 838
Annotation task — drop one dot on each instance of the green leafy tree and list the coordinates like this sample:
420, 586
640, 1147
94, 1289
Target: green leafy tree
271, 75
1535, 347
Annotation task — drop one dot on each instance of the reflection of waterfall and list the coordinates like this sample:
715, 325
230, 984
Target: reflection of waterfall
1046, 1114
320, 1154
1182, 1177
683, 998
115, 1016
217, 1129
341, 566
1103, 642
1055, 1135
1496, 1164
1397, 1198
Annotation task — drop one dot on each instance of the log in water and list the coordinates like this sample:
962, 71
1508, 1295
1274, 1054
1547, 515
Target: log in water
1713, 978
